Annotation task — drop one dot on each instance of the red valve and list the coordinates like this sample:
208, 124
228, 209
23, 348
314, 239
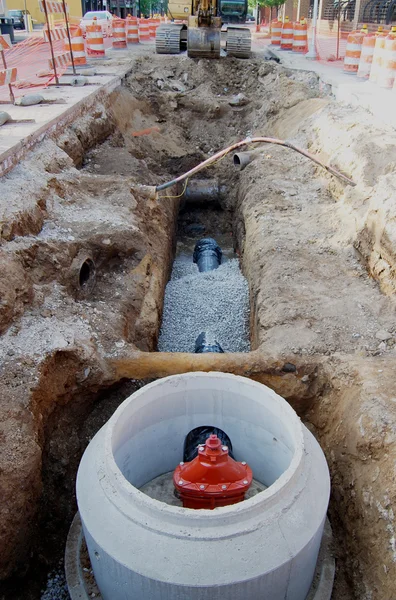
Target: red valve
213, 478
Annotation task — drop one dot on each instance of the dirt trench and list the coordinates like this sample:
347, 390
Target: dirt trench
85, 256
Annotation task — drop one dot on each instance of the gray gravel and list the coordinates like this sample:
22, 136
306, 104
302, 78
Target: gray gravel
216, 302
56, 587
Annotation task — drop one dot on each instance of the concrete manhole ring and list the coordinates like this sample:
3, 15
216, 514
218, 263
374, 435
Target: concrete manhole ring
82, 586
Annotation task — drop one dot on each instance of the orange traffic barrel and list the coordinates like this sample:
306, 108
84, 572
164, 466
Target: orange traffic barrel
78, 48
367, 54
95, 45
354, 49
276, 32
119, 34
287, 35
132, 30
73, 30
387, 71
144, 30
300, 36
153, 24
377, 57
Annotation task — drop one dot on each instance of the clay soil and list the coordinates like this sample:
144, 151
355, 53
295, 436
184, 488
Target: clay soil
318, 257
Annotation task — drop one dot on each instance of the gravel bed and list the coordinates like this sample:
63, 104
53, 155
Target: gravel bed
56, 587
216, 302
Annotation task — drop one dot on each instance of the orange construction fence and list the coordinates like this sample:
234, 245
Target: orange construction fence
30, 57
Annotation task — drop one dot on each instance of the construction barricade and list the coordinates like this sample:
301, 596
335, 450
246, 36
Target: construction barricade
367, 53
387, 70
144, 30
354, 50
300, 37
58, 33
95, 44
276, 32
132, 30
153, 24
8, 77
377, 57
59, 62
287, 35
77, 47
30, 58
119, 34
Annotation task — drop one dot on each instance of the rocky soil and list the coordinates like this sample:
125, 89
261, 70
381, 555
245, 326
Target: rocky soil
86, 251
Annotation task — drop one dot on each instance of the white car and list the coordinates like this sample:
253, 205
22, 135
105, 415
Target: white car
103, 18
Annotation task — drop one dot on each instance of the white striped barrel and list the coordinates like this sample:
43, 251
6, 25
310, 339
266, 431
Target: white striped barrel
287, 35
353, 51
276, 32
119, 34
387, 72
95, 45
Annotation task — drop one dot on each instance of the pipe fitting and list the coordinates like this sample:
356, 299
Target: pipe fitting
83, 275
204, 343
207, 255
243, 159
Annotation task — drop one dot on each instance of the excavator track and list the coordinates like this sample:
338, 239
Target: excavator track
238, 42
170, 38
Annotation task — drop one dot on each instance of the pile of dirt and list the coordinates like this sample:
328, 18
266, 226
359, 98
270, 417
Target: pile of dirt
314, 295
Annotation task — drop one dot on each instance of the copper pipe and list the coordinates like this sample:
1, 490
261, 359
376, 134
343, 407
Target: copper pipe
296, 381
247, 142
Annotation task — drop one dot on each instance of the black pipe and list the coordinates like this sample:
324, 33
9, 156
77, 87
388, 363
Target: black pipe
204, 344
207, 255
201, 192
198, 436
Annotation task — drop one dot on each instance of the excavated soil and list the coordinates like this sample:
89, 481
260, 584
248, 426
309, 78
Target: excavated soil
86, 251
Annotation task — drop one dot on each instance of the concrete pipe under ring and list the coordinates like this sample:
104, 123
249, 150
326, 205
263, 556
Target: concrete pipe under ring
263, 547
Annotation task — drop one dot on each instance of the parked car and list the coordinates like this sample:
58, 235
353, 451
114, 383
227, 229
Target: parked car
17, 17
103, 18
250, 19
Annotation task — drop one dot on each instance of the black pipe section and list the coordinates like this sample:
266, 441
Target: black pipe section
207, 255
201, 192
204, 344
198, 436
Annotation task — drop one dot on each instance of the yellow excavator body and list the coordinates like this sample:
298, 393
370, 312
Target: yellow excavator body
197, 25
179, 10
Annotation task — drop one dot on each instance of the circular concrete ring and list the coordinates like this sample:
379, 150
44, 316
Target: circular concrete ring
82, 585
266, 546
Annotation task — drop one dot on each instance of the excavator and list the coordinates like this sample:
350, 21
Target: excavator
202, 33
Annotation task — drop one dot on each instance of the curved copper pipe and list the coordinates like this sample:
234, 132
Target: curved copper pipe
246, 142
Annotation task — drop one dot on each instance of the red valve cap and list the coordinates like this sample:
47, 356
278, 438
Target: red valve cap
213, 478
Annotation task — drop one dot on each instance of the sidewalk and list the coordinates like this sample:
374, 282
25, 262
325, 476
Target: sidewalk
18, 139
346, 87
